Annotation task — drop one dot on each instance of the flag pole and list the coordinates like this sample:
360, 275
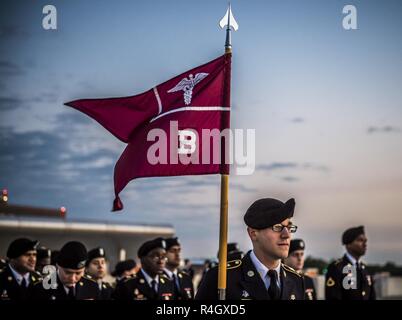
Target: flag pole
229, 21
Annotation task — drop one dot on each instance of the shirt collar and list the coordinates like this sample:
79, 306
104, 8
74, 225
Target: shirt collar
351, 258
148, 278
18, 276
170, 273
261, 268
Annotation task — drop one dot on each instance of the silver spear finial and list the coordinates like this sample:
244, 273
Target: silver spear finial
229, 21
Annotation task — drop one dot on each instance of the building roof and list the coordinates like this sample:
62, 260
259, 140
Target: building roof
52, 224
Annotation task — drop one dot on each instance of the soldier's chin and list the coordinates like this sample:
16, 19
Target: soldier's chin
30, 268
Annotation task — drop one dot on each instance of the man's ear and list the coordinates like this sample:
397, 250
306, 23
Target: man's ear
252, 233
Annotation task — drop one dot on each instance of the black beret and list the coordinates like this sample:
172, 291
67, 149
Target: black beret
264, 213
20, 246
150, 245
73, 255
170, 242
351, 234
42, 253
122, 266
95, 253
234, 252
233, 246
296, 244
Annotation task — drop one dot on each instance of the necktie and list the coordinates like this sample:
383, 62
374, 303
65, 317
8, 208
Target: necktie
176, 286
273, 289
23, 283
71, 293
359, 275
154, 286
23, 289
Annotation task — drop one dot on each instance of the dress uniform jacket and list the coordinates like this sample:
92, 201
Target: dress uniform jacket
334, 289
186, 287
11, 290
309, 288
85, 289
106, 291
136, 288
244, 283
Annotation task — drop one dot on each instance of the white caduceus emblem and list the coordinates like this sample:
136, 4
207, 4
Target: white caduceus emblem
187, 85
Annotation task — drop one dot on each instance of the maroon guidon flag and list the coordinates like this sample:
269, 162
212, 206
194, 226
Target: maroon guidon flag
184, 108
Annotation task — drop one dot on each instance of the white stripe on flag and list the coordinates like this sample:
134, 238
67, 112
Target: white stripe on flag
190, 109
158, 99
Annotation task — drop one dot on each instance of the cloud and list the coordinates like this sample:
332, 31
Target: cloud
384, 129
11, 31
9, 103
290, 179
297, 120
37, 166
9, 69
276, 166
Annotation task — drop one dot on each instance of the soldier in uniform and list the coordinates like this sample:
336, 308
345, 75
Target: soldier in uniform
124, 269
149, 283
295, 260
183, 284
43, 258
347, 278
96, 269
18, 277
70, 281
260, 275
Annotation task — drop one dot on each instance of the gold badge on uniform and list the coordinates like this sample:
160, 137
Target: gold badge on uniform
330, 282
161, 280
180, 275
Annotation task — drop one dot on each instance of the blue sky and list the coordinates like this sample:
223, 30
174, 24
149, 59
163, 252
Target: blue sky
325, 102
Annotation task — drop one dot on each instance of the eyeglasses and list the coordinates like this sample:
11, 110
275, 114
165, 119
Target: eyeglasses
279, 228
156, 257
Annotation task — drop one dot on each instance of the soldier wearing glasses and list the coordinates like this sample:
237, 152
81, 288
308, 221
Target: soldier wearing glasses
260, 275
149, 283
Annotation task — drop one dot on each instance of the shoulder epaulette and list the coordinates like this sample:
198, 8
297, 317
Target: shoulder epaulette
131, 277
36, 278
289, 269
233, 264
88, 277
336, 262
